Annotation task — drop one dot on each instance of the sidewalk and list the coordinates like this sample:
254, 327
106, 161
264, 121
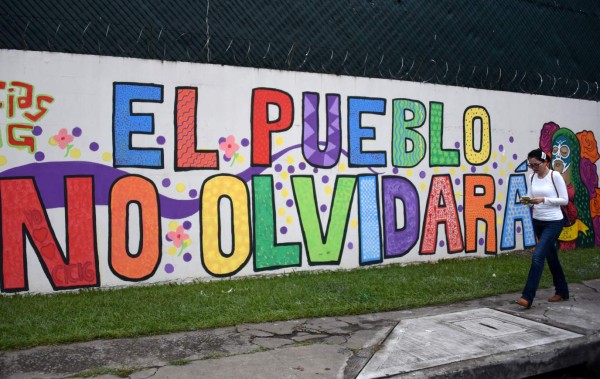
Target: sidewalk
490, 337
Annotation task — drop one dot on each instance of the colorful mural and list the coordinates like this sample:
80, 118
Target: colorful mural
226, 172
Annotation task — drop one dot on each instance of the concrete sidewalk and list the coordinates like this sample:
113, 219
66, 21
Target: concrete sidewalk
490, 337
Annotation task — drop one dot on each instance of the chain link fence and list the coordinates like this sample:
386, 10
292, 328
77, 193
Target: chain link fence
539, 46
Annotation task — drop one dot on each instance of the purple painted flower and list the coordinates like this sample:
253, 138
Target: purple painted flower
589, 175
546, 134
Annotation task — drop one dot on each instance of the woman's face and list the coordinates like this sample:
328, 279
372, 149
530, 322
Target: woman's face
536, 165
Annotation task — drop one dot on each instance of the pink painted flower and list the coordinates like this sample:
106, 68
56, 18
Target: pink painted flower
229, 146
178, 236
546, 136
63, 138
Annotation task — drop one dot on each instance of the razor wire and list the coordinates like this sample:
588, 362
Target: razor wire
208, 46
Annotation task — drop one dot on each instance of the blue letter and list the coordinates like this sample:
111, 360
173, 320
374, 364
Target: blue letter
356, 133
126, 123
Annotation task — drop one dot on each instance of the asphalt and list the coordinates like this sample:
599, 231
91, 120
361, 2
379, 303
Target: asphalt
490, 337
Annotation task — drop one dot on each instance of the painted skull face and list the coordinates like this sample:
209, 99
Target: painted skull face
561, 155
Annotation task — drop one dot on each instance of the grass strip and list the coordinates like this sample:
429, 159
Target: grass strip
32, 320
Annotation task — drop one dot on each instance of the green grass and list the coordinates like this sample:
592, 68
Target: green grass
32, 320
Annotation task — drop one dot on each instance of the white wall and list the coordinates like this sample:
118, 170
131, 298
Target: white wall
85, 97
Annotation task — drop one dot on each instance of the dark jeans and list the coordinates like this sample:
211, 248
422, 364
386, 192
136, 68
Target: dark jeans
547, 233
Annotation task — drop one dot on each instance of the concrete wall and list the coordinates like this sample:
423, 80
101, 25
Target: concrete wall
117, 171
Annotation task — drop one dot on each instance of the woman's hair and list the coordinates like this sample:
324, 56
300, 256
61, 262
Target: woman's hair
539, 155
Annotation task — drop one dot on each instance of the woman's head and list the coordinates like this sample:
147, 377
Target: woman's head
537, 159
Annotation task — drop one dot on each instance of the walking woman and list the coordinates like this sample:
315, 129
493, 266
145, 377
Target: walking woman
547, 192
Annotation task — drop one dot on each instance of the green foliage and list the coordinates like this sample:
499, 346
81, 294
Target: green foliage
32, 320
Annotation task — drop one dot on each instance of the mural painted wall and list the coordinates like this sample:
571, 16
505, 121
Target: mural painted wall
122, 172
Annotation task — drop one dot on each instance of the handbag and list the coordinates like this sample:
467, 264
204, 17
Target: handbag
569, 211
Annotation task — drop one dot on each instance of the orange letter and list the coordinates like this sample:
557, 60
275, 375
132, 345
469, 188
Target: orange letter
479, 205
143, 263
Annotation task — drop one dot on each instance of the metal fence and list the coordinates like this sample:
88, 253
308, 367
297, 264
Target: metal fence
539, 46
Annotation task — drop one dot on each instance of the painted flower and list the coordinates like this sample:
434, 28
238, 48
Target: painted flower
229, 146
595, 205
546, 136
589, 175
178, 237
63, 138
589, 147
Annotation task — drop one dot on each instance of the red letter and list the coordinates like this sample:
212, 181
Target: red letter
262, 127
186, 156
441, 209
23, 214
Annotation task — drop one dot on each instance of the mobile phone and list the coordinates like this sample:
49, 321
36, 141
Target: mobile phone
525, 199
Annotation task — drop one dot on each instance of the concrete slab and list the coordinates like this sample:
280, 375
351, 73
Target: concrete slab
322, 361
421, 343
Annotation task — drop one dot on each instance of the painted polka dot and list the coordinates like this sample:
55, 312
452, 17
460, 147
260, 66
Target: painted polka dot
500, 181
169, 268
302, 166
279, 141
106, 156
76, 131
187, 225
323, 208
39, 156
289, 203
325, 179
160, 140
422, 174
166, 182
187, 257
442, 243
291, 169
75, 153
350, 245
278, 186
94, 146
37, 130
245, 142
180, 187
193, 193
3, 160
283, 230
278, 167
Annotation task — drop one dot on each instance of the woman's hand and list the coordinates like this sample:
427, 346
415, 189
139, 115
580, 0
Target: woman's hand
536, 200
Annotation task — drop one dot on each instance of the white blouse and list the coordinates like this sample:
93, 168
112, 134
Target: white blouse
554, 195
